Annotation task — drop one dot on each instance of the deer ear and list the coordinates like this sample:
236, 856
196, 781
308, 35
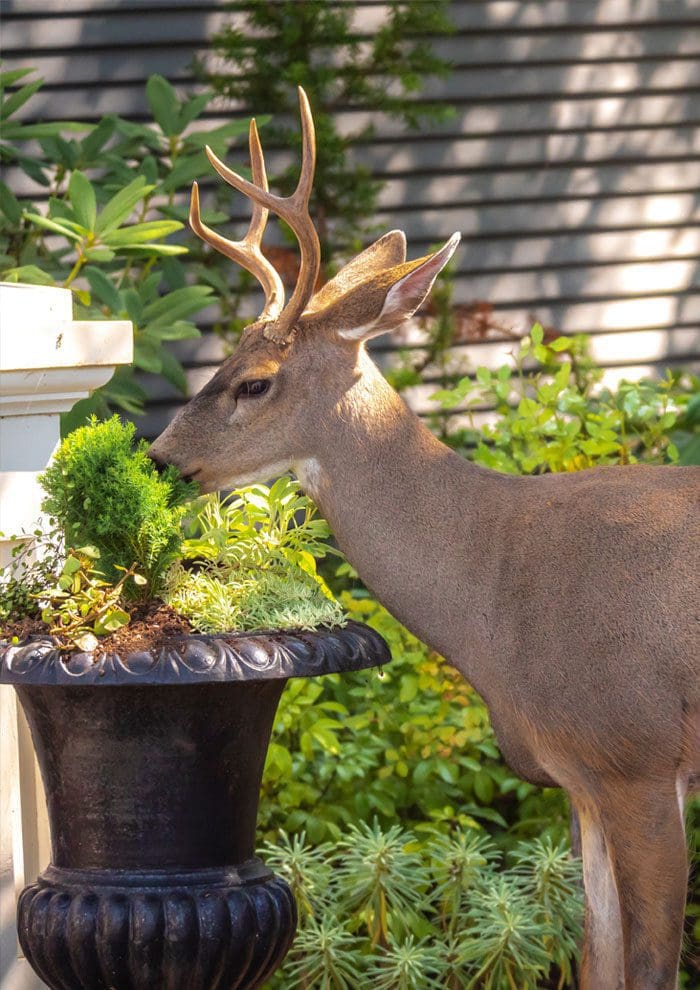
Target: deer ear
386, 252
404, 289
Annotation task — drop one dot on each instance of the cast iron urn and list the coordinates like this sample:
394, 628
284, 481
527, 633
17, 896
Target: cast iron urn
152, 765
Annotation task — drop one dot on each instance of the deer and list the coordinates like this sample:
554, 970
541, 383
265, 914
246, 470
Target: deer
568, 601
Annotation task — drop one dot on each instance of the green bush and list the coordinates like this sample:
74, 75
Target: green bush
392, 909
105, 492
552, 414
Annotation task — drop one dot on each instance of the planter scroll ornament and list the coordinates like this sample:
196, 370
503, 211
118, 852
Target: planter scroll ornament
152, 764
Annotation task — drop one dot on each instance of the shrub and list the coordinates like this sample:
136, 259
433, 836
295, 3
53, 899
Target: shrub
552, 415
104, 491
394, 909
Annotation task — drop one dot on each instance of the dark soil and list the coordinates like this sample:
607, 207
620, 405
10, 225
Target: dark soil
23, 629
151, 624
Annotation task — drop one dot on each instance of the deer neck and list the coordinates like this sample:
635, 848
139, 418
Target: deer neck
418, 522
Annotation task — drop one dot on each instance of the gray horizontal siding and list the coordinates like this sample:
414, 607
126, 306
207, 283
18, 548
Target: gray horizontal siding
571, 164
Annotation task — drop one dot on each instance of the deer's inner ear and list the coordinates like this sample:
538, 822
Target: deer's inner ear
382, 302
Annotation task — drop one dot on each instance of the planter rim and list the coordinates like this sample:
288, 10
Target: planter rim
260, 655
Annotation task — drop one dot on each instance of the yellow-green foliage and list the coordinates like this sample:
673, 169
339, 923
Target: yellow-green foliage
256, 563
104, 491
215, 600
552, 415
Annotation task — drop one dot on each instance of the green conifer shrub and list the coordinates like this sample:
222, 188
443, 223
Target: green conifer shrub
104, 491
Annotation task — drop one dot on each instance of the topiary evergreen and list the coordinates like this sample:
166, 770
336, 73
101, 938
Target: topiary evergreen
104, 491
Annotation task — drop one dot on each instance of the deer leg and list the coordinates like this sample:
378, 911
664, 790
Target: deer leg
645, 838
602, 965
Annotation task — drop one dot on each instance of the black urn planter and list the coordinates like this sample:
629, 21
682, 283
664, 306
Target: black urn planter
151, 765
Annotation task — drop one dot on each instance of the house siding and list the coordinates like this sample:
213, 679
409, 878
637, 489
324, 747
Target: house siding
571, 164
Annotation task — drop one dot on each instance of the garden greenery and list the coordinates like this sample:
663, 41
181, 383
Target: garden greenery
552, 414
126, 528
382, 908
256, 554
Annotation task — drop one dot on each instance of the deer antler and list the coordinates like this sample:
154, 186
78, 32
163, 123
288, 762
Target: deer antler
247, 253
294, 210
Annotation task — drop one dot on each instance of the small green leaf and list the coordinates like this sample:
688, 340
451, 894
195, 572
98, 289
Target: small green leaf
11, 76
19, 98
112, 621
177, 304
71, 565
180, 330
99, 253
147, 356
98, 137
171, 369
120, 205
53, 225
105, 290
192, 108
537, 333
28, 273
217, 135
10, 205
159, 250
164, 105
87, 642
137, 233
83, 201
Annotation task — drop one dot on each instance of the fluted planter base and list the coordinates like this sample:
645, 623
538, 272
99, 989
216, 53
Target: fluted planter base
101, 929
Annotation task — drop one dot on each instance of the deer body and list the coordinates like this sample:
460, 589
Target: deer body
466, 557
570, 602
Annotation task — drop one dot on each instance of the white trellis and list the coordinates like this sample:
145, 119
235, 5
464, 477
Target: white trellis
48, 361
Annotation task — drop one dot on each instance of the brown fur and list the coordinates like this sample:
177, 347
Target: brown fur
569, 601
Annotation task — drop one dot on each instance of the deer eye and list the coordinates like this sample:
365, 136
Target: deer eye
248, 390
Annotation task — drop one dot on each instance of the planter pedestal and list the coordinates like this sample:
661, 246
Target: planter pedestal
152, 766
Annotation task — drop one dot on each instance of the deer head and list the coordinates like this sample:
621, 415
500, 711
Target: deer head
262, 411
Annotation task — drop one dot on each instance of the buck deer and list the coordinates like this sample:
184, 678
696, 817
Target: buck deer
569, 601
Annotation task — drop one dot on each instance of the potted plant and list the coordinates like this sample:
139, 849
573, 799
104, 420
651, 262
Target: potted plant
151, 717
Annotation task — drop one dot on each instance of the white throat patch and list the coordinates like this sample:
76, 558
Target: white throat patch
309, 474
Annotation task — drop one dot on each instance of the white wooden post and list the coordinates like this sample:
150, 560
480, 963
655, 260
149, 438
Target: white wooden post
47, 362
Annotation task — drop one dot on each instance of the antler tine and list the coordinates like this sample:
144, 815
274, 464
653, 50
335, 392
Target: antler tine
294, 210
247, 252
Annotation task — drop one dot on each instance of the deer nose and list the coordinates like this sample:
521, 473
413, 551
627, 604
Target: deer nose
159, 464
